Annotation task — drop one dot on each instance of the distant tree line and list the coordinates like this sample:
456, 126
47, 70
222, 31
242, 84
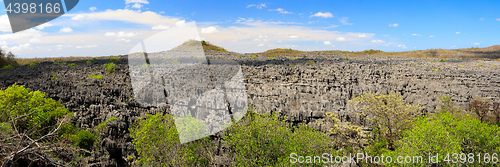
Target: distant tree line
7, 59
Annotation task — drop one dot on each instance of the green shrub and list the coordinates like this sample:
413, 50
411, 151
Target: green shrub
110, 67
175, 61
95, 76
255, 57
265, 140
442, 60
72, 64
85, 139
40, 113
7, 59
272, 58
95, 59
115, 60
103, 124
89, 62
8, 67
33, 64
146, 65
390, 114
53, 77
157, 142
443, 133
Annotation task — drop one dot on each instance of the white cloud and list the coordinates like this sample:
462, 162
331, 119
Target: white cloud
29, 33
160, 27
137, 6
44, 25
432, 36
321, 14
77, 17
343, 20
66, 29
281, 10
498, 19
454, 46
122, 40
121, 34
260, 45
5, 24
3, 43
415, 34
35, 40
93, 9
136, 1
327, 42
258, 6
180, 23
125, 15
402, 46
293, 36
86, 46
377, 41
476, 43
209, 30
394, 25
17, 48
457, 32
362, 35
340, 39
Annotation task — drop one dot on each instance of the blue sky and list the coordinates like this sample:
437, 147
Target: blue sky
112, 27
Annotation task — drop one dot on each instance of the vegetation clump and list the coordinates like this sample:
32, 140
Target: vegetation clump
110, 67
8, 60
95, 76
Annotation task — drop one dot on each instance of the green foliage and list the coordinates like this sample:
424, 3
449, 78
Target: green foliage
310, 61
85, 139
33, 64
8, 59
157, 143
53, 77
40, 113
345, 134
255, 57
442, 60
443, 133
371, 51
390, 114
95, 76
435, 69
57, 63
290, 65
101, 125
95, 59
146, 65
72, 64
265, 140
89, 62
190, 128
115, 60
8, 67
110, 67
272, 58
175, 61
485, 111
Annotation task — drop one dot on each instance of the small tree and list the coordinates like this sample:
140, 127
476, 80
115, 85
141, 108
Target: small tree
389, 113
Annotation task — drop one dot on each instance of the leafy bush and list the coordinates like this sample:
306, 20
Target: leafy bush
95, 76
265, 140
89, 62
8, 67
272, 58
157, 142
38, 113
443, 133
255, 57
390, 114
110, 67
442, 60
85, 139
33, 64
146, 65
72, 64
115, 60
103, 124
53, 77
435, 69
8, 59
485, 111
